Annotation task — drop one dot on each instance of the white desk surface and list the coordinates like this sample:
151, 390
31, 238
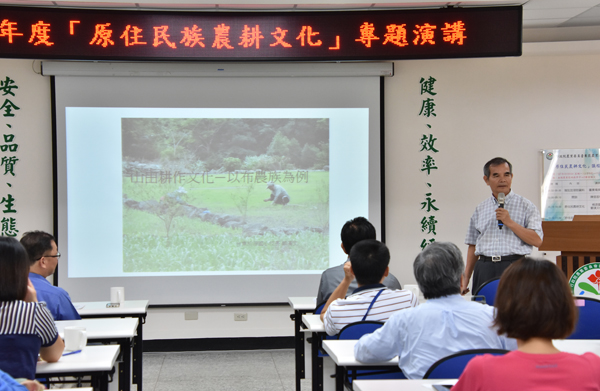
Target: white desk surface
92, 358
129, 307
303, 303
342, 353
399, 385
578, 346
102, 328
313, 323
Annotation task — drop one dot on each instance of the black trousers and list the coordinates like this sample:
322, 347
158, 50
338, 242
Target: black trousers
486, 270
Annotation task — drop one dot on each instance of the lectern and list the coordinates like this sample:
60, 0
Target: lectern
577, 240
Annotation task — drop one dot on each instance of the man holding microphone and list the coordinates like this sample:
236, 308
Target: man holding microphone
503, 229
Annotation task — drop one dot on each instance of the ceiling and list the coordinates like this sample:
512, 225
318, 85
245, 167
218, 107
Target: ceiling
543, 20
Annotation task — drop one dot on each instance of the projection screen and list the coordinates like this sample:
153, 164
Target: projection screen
211, 190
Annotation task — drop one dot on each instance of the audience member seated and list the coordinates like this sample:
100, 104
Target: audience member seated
534, 305
43, 257
353, 232
26, 326
7, 383
369, 263
445, 324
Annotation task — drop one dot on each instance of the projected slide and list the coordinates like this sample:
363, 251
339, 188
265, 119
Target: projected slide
179, 191
225, 194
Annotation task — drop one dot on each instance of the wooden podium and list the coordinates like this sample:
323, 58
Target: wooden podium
577, 240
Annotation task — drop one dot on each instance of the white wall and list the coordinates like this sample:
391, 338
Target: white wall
510, 107
217, 322
32, 128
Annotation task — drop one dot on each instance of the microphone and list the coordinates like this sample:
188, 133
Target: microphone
501, 198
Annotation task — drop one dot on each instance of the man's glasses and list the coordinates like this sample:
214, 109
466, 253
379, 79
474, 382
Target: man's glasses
57, 256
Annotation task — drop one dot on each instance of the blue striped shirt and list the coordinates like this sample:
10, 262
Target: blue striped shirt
490, 241
24, 328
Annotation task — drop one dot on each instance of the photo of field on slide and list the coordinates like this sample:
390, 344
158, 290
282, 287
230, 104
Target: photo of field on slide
225, 194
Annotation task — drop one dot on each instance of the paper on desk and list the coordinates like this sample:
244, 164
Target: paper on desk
79, 306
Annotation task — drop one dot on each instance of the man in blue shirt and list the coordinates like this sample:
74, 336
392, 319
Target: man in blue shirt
43, 257
7, 383
444, 325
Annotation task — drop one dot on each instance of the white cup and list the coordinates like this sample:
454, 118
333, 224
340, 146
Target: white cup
413, 288
75, 338
117, 295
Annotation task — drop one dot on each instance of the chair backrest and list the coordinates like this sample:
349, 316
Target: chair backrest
587, 322
488, 290
451, 367
355, 331
358, 329
319, 309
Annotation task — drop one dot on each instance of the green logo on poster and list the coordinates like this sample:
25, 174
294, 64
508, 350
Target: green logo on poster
586, 280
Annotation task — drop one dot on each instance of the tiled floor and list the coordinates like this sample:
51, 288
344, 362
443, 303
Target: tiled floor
264, 370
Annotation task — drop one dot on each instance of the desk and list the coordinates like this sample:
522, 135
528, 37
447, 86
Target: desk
578, 346
300, 305
399, 385
313, 324
95, 361
110, 330
129, 309
342, 354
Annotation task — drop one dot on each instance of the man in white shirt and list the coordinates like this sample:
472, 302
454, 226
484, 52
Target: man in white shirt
369, 263
500, 231
444, 325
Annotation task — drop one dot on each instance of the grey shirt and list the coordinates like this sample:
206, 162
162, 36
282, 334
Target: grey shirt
277, 195
331, 278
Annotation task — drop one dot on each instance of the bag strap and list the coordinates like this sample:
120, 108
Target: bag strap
371, 305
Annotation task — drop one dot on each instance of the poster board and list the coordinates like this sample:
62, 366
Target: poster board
571, 183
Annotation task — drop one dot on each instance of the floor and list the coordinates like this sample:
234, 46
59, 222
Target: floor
264, 370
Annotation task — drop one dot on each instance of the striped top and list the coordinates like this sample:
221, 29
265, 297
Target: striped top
490, 241
24, 328
352, 309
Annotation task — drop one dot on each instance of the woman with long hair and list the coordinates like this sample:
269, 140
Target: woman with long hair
26, 326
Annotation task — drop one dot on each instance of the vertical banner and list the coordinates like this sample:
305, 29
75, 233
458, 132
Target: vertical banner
428, 164
9, 148
571, 184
